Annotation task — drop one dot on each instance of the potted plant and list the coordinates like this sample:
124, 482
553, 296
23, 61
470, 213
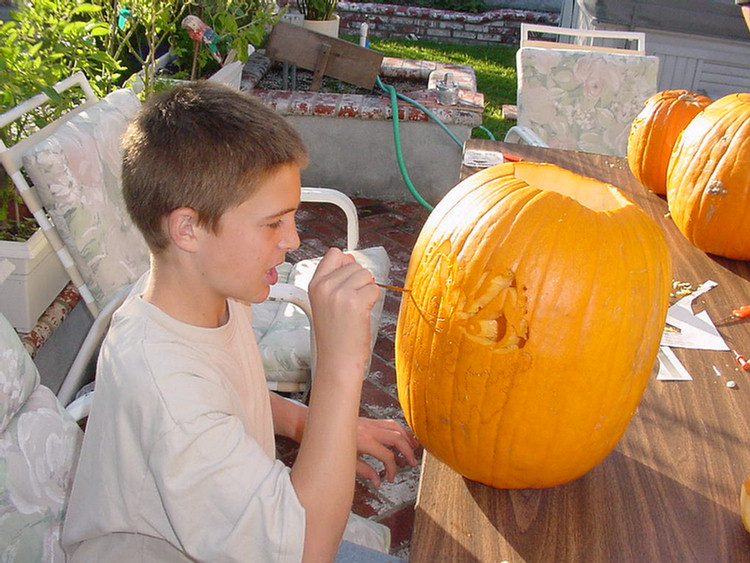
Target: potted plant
319, 16
43, 42
227, 30
37, 276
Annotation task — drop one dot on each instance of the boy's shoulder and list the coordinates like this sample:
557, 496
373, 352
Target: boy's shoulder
147, 351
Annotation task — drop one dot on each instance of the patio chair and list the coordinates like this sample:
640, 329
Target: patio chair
39, 446
578, 96
74, 168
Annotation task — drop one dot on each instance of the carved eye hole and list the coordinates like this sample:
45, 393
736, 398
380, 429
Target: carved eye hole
496, 314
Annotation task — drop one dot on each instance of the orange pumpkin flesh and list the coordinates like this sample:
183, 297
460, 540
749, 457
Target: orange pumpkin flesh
745, 504
654, 132
537, 302
708, 181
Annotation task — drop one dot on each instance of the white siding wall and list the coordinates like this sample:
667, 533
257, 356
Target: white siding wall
710, 66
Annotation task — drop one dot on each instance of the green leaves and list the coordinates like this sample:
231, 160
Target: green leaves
320, 10
238, 24
44, 42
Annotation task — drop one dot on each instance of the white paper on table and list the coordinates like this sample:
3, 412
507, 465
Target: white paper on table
696, 331
670, 368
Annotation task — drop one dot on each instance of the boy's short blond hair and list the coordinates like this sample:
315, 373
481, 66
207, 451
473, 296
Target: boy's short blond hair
203, 146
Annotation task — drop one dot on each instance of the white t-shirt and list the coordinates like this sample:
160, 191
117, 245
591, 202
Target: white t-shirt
178, 461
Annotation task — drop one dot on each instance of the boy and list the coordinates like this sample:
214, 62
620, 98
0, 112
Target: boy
178, 459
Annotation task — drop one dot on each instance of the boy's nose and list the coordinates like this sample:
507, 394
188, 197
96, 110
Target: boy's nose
291, 239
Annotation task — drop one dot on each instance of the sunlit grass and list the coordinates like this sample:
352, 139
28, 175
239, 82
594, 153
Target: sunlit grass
495, 68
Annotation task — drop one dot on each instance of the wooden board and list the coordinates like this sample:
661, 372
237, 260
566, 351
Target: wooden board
346, 61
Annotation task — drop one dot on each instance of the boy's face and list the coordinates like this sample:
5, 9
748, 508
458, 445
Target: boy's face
240, 260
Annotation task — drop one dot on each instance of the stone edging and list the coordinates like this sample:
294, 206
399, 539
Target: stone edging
359, 106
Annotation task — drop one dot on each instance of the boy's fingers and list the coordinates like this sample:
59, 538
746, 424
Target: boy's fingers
332, 260
367, 471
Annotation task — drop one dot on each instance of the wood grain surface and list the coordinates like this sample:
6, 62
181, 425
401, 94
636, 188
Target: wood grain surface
669, 492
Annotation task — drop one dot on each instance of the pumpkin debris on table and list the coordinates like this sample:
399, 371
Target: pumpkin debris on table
538, 299
654, 132
708, 180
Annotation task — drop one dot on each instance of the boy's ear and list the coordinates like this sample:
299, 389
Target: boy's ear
182, 226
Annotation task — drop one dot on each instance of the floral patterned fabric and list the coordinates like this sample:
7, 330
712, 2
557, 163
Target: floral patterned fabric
39, 446
583, 100
283, 330
76, 172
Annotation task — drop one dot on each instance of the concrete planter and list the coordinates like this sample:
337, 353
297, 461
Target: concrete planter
350, 137
36, 281
326, 27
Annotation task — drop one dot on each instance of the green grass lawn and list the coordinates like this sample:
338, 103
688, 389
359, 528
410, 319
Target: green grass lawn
495, 68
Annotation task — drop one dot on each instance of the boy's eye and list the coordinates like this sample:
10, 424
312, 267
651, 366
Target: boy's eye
275, 224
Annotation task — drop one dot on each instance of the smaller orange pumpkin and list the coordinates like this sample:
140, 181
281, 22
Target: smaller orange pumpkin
654, 132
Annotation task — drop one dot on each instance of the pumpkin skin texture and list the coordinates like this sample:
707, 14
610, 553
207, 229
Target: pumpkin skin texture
532, 324
708, 181
654, 132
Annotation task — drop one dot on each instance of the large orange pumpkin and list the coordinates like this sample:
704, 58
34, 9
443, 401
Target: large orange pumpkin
537, 303
654, 132
708, 181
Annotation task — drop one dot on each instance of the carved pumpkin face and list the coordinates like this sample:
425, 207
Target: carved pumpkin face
708, 182
537, 302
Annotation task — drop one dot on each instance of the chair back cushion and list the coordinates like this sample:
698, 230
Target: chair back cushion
39, 446
18, 374
282, 329
76, 172
583, 100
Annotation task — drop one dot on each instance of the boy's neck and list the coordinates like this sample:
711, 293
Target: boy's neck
173, 290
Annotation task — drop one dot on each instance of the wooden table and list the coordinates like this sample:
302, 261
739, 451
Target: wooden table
669, 491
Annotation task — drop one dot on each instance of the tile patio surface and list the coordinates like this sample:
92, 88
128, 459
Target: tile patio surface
395, 226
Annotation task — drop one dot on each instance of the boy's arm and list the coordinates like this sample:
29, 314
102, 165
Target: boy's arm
289, 417
342, 294
375, 437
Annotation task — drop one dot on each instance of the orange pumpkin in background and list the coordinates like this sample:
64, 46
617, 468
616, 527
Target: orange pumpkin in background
654, 132
537, 303
708, 180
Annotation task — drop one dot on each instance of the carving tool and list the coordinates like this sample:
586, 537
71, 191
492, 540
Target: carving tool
393, 287
414, 301
741, 360
737, 314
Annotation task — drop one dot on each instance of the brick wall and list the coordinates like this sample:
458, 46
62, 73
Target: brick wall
495, 27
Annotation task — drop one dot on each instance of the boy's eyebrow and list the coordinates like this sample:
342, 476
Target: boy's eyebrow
281, 213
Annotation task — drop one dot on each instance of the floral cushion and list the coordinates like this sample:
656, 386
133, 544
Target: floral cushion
76, 171
283, 330
583, 100
18, 374
39, 446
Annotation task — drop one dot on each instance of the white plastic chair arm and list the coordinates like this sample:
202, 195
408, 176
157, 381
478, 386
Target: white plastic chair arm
81, 407
344, 202
524, 135
296, 295
77, 372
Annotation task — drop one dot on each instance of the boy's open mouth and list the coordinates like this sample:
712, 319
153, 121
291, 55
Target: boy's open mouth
272, 276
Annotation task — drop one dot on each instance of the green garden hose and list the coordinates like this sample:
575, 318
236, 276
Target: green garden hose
397, 136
